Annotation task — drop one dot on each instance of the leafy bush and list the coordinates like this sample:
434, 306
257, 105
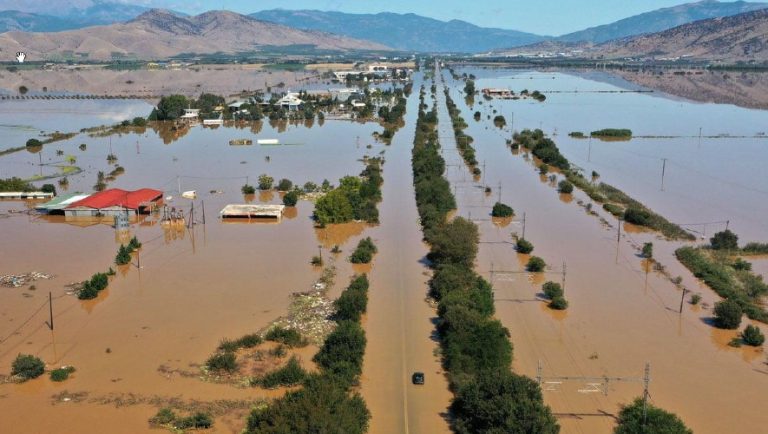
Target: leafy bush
502, 210
198, 420
364, 252
614, 209
637, 216
455, 242
61, 374
164, 416
123, 255
639, 418
612, 132
248, 189
139, 122
535, 264
725, 240
342, 352
558, 303
323, 405
353, 301
246, 341
289, 375
565, 187
543, 169
499, 401
265, 182
134, 243
91, 288
226, 362
753, 336
741, 265
552, 290
647, 251
291, 198
523, 246
289, 337
27, 366
728, 314
284, 185
695, 299
34, 143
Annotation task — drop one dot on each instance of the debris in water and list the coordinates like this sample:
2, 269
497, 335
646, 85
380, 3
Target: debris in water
18, 280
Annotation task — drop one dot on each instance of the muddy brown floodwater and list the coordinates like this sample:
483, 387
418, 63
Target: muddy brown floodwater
195, 286
619, 317
400, 324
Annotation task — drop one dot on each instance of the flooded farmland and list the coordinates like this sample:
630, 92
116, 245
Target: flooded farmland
140, 344
621, 313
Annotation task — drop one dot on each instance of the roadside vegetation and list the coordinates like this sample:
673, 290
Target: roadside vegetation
637, 418
613, 200
719, 266
325, 402
612, 133
463, 141
364, 252
476, 350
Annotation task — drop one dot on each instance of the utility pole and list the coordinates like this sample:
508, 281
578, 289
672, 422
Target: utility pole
50, 310
203, 203
682, 299
499, 191
564, 272
618, 237
178, 183
727, 223
589, 152
320, 252
663, 171
523, 225
483, 172
646, 383
491, 273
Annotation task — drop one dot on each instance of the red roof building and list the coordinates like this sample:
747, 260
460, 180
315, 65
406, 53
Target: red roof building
115, 201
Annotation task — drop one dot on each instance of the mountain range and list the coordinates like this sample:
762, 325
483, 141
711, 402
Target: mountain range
158, 34
660, 20
408, 32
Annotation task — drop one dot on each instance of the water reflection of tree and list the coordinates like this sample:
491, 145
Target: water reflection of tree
169, 131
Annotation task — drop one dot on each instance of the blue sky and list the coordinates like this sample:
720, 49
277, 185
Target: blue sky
549, 17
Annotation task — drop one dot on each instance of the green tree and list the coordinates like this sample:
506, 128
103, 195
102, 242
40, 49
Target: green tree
226, 362
48, 188
500, 401
535, 264
753, 336
171, 107
637, 216
523, 246
455, 242
725, 240
333, 207
565, 187
552, 290
502, 210
364, 252
123, 255
284, 185
34, 143
139, 122
728, 314
558, 303
265, 182
248, 189
27, 366
656, 420
291, 198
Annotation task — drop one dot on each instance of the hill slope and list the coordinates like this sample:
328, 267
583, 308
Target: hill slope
739, 37
34, 17
407, 32
660, 20
160, 34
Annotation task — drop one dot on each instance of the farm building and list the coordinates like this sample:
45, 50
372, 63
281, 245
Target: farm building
58, 204
115, 201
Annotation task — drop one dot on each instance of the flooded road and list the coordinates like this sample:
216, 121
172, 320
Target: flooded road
619, 315
399, 324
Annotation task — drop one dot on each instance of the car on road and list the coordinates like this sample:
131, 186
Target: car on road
418, 378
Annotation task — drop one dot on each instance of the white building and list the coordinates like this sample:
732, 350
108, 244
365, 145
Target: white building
290, 101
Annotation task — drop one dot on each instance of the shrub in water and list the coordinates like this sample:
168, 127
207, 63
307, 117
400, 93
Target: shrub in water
753, 336
728, 314
27, 366
535, 264
524, 246
502, 210
552, 290
222, 362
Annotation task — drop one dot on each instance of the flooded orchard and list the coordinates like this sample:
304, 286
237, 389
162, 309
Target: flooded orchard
622, 314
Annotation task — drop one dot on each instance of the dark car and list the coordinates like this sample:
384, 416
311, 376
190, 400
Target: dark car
418, 378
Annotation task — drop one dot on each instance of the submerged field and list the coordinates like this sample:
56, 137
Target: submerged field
139, 346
